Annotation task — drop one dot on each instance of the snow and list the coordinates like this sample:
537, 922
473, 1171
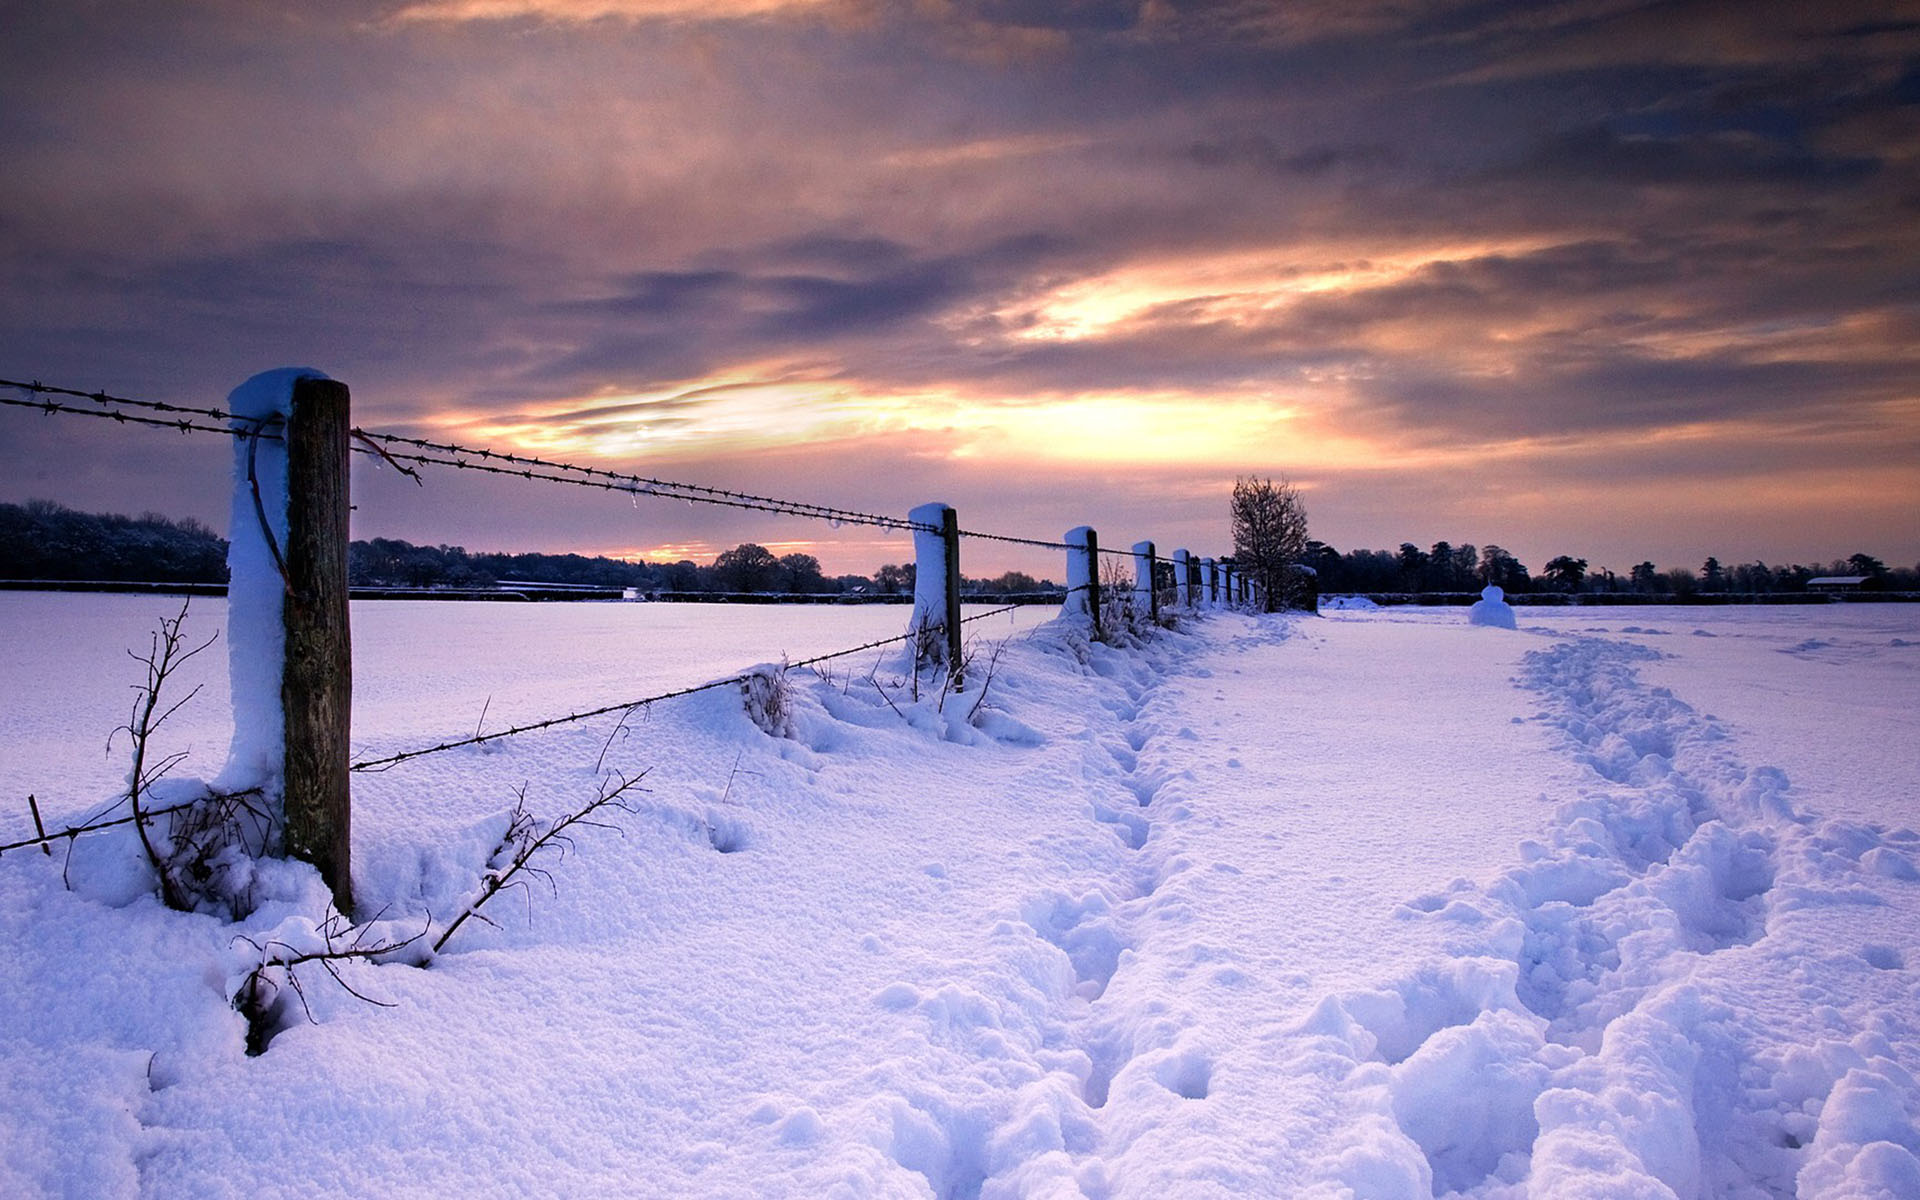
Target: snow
1082, 574
1143, 557
1367, 904
255, 635
1492, 609
930, 577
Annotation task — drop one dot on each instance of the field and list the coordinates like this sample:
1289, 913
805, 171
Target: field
1622, 903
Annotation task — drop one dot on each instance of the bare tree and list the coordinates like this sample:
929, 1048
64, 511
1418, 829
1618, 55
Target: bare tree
1269, 537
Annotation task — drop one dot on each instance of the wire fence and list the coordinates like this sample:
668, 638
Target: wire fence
421, 451
401, 450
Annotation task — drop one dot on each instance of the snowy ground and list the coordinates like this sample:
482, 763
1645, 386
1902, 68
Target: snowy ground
1623, 903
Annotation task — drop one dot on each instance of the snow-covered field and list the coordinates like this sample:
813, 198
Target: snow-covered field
1623, 903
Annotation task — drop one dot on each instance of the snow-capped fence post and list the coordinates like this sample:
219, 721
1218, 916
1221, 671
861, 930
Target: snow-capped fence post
1182, 579
1083, 576
936, 584
1194, 593
289, 651
1145, 597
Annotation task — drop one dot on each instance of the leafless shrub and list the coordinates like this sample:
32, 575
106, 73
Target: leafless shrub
201, 860
769, 699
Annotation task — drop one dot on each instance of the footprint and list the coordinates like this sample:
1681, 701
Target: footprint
1188, 1074
1083, 929
1884, 958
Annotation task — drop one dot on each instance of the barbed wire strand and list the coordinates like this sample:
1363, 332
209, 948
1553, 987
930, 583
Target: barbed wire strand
524, 466
383, 764
392, 760
47, 839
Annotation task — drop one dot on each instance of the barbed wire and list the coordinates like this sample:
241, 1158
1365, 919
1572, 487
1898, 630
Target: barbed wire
386, 763
639, 484
629, 706
124, 418
35, 387
472, 458
74, 831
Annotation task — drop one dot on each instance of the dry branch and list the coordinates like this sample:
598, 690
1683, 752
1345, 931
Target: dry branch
524, 839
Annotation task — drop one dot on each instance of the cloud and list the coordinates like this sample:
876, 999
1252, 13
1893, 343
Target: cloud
1365, 243
577, 11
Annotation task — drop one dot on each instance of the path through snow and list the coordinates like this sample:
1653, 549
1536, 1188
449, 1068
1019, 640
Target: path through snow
1374, 904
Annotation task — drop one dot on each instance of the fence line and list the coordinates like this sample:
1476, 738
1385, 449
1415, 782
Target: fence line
311, 422
462, 458
377, 765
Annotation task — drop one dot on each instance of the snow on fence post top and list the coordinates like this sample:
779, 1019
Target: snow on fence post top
1182, 579
1145, 599
1083, 575
256, 588
930, 570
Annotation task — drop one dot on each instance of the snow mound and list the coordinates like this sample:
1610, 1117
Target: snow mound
1348, 604
1492, 609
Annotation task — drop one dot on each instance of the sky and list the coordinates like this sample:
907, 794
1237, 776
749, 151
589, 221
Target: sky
1606, 278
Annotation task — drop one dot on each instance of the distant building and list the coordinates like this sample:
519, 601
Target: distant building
1837, 583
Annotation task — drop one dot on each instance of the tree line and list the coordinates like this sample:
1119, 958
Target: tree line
1269, 521
43, 540
1463, 567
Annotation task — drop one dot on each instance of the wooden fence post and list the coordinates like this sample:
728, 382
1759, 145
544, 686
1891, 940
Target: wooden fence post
950, 543
1083, 575
1194, 593
1182, 579
1209, 582
316, 682
1143, 560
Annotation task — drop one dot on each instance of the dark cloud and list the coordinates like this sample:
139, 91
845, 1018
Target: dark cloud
1593, 219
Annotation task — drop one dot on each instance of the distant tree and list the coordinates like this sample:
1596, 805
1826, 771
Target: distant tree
43, 540
1868, 565
801, 573
1645, 577
1012, 583
1713, 578
1326, 561
1270, 537
1566, 572
748, 567
681, 576
1459, 572
1502, 570
1751, 577
893, 579
1682, 582
1413, 567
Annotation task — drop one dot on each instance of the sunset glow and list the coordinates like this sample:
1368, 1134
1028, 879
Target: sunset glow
1626, 283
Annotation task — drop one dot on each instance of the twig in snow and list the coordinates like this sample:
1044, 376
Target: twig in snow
163, 658
524, 839
261, 996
